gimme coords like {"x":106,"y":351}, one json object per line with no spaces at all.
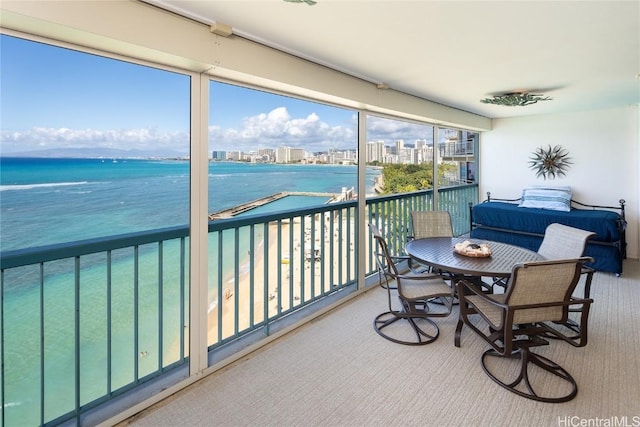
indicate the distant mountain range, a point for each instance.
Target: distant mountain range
{"x":96,"y":153}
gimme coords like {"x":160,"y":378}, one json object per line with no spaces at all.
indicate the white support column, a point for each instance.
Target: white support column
{"x":362,"y":193}
{"x":436,"y":159}
{"x":198,"y":248}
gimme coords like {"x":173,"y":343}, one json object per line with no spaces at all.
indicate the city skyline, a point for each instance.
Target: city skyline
{"x":400,"y":152}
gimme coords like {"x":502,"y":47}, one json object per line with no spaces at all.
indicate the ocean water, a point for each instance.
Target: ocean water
{"x":46,"y":201}
{"x":51,"y":201}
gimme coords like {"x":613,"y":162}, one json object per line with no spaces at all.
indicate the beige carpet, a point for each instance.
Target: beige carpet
{"x":336,"y":371}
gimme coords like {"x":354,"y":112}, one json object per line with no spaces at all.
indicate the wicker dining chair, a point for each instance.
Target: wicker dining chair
{"x":515,"y":322}
{"x":416,"y":293}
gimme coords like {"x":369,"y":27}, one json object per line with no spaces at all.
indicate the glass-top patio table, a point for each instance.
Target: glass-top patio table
{"x":438,"y":253}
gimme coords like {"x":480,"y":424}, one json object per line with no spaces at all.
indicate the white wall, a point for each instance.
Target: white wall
{"x":604,"y":148}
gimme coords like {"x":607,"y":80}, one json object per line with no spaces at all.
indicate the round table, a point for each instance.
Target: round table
{"x":437,"y":252}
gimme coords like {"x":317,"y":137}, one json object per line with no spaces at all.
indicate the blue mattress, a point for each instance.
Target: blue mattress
{"x":606,"y":257}
{"x":606,"y":224}
{"x":502,"y":222}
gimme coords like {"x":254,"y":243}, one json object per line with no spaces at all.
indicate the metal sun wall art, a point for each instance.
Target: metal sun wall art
{"x":550,"y":162}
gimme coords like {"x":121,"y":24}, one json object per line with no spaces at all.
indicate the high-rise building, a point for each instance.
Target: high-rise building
{"x":218,"y":155}
{"x":268,"y":154}
{"x":234,"y":155}
{"x":399,"y":146}
{"x":289,"y":154}
{"x":375,"y":151}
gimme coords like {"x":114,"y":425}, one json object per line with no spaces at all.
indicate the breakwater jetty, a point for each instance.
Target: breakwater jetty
{"x":347,"y":194}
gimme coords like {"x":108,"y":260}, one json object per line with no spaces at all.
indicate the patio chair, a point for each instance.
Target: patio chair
{"x":564,"y":242}
{"x":515,"y":322}
{"x":414,"y":291}
{"x":428,"y":224}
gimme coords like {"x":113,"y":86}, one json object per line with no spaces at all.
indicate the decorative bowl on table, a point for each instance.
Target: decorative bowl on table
{"x":469,"y":249}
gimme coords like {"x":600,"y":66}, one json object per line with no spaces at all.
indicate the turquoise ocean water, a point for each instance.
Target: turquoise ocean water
{"x":50,"y":201}
{"x":47,"y":201}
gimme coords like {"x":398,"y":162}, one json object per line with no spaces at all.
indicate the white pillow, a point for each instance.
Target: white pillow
{"x":544,"y":197}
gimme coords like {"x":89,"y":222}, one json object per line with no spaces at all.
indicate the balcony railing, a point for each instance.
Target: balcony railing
{"x":89,"y":323}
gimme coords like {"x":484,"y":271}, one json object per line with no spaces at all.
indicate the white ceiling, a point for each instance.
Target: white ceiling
{"x":583,"y":54}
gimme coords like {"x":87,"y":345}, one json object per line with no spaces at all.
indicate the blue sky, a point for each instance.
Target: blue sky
{"x":54,"y":98}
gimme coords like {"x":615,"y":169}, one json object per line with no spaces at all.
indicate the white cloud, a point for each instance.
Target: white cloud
{"x":39,"y":138}
{"x":390,"y":130}
{"x":277,"y":128}
{"x":266,"y":130}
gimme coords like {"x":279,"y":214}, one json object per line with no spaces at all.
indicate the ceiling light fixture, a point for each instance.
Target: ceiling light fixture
{"x":515,"y":99}
{"x":309,"y":2}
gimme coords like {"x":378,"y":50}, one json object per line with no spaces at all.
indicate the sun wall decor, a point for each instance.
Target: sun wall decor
{"x":550,"y":162}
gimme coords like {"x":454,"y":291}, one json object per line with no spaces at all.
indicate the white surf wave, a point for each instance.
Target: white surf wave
{"x":45,"y":185}
{"x":12,"y":404}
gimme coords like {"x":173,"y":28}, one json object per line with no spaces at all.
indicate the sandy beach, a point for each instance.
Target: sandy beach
{"x":284,"y":281}
{"x":301,"y":261}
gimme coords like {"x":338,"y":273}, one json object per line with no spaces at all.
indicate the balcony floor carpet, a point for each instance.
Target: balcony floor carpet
{"x":336,"y":371}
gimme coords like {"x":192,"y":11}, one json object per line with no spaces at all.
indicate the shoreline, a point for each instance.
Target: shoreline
{"x":229,"y":287}
{"x":273,"y":294}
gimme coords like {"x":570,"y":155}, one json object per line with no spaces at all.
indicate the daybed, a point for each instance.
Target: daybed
{"x":504,"y":220}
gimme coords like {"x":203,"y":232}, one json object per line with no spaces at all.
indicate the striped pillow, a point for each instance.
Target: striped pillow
{"x":554,"y":198}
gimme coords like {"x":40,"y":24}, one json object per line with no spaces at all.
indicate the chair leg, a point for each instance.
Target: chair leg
{"x":458,"y":333}
{"x":422,"y":336}
{"x":526,"y":357}
{"x":589,"y":272}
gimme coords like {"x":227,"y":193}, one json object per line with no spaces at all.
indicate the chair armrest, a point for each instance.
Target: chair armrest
{"x":425,"y":276}
{"x":467,"y":308}
{"x":471,"y":289}
{"x":581,"y":339}
{"x":394,"y":257}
